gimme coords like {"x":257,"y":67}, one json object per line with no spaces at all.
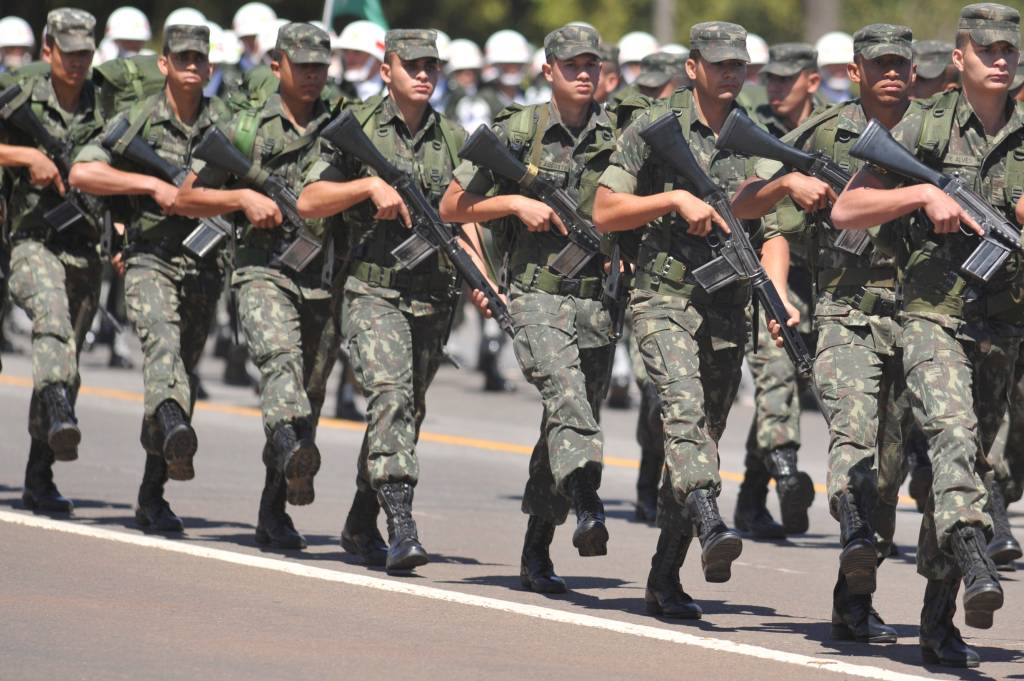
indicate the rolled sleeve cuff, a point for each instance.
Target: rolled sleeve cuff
{"x":92,"y":153}
{"x":618,"y":180}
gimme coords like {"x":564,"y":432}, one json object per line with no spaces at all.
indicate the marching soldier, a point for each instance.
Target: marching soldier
{"x":170,"y":297}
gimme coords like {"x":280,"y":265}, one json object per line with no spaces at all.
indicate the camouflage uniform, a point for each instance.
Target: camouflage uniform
{"x":1007,"y":454}
{"x":54,"y":278}
{"x":562,"y":330}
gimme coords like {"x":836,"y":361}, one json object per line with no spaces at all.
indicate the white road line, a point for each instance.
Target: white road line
{"x":408,"y":588}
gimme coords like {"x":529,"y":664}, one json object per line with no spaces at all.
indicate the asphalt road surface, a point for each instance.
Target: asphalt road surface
{"x":92,"y":597}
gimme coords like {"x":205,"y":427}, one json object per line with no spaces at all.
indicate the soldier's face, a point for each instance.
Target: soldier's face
{"x":70,"y":68}
{"x":885,"y":79}
{"x":607,"y":83}
{"x":304,"y":82}
{"x":466,"y":78}
{"x":187,"y":71}
{"x":987,"y":67}
{"x":413,"y":80}
{"x":573,"y":79}
{"x":717,"y":80}
{"x":788,"y":94}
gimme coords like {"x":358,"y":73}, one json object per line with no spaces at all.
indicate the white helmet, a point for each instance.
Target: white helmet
{"x":128,"y":23}
{"x":217,"y":55}
{"x":633,"y":47}
{"x":266,"y":39}
{"x":444,"y":44}
{"x":15,"y":32}
{"x":464,"y":54}
{"x":230,"y":47}
{"x":507,"y":47}
{"x":674,"y":48}
{"x":185,"y":16}
{"x":538,"y":62}
{"x":834,"y":48}
{"x":363,"y":36}
{"x":757,"y":48}
{"x":251,"y":18}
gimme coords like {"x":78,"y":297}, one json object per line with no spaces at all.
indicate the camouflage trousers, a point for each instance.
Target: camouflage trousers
{"x":693,"y":354}
{"x":941,"y":372}
{"x":395,"y":355}
{"x":552,"y":334}
{"x":171,"y":305}
{"x":1007,"y":453}
{"x":650,"y":432}
{"x":859,"y":372}
{"x":59,"y":291}
{"x":292,"y":337}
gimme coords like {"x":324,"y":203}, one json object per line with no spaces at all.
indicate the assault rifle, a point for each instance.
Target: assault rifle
{"x":735,"y":258}
{"x":217,"y":150}
{"x":77,"y":208}
{"x":877,"y":146}
{"x":205,"y":238}
{"x":345,"y":133}
{"x":485,"y":149}
{"x":740,"y":134}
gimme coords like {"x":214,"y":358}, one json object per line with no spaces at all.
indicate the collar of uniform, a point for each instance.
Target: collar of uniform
{"x":42,"y":91}
{"x":852,"y":117}
{"x":596,"y":117}
{"x":389,"y":111}
{"x":965,"y":112}
{"x":275,"y":107}
{"x":164,"y":114}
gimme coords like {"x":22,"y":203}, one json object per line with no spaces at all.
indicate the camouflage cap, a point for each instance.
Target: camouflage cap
{"x":789,"y":59}
{"x":182,"y":38}
{"x":610,"y":54}
{"x":1018,"y":80}
{"x":931,"y":57}
{"x":877,"y":40}
{"x":988,"y":23}
{"x":71,"y":29}
{"x":719,"y":41}
{"x":572,"y":41}
{"x":304,"y":43}
{"x":411,"y":43}
{"x":658,"y":69}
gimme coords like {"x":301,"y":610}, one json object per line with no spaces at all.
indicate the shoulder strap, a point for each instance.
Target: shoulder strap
{"x":937,"y":125}
{"x":138,"y":118}
{"x":365,"y":112}
{"x":246,"y":125}
{"x":451,"y":140}
{"x":521,"y":126}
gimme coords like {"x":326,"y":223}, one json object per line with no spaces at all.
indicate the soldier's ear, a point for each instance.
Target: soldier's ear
{"x":958,"y":59}
{"x":547,"y":69}
{"x":813,"y":82}
{"x":161,"y":63}
{"x":853,"y":71}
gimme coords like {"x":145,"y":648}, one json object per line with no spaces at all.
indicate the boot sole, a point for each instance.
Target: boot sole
{"x":859,"y":564}
{"x":592,"y":541}
{"x":372,"y":558}
{"x":411,"y":558}
{"x":978,"y":607}
{"x":1004,"y":551}
{"x":299,"y":473}
{"x":64,"y":443}
{"x":263,"y":538}
{"x":841,"y":632}
{"x":179,"y":449}
{"x":794,"y":504}
{"x":717,"y":557}
{"x":930,"y":657}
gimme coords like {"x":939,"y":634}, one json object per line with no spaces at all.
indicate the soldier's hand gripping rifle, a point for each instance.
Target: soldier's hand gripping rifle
{"x":487,"y":151}
{"x":205,"y":238}
{"x":740,"y":134}
{"x":345,"y":133}
{"x":736,"y":259}
{"x":77,"y":209}
{"x":877,"y":146}
{"x":218,"y":151}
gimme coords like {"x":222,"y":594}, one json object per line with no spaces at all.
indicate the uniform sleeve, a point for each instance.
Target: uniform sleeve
{"x":906,"y":132}
{"x":475,"y":179}
{"x":627,"y":160}
{"x":93,"y":150}
{"x":766,"y":168}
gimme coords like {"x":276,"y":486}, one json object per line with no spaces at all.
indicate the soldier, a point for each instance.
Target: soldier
{"x":611,"y":78}
{"x":170,"y":297}
{"x":791,"y":80}
{"x":935,"y":72}
{"x":55,"y":277}
{"x":661,"y":74}
{"x":395,"y":320}
{"x":691,"y":341}
{"x":858,"y":364}
{"x":953,"y":331}
{"x":287,"y":317}
{"x":563,"y":332}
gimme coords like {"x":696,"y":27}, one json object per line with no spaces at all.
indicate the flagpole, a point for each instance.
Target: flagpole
{"x":328,"y":12}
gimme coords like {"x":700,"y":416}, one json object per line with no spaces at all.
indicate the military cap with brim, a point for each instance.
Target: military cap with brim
{"x":411,"y":43}
{"x":988,"y":23}
{"x":789,"y":59}
{"x":304,"y":43}
{"x":719,"y":41}
{"x":878,"y":40}
{"x":931,"y":57}
{"x":656,"y":70}
{"x":610,"y":53}
{"x":182,"y":38}
{"x":72,"y":29}
{"x":572,"y":41}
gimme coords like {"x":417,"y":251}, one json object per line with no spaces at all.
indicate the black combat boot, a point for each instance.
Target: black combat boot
{"x":982,"y":593}
{"x":536,"y":571}
{"x":275,"y":527}
{"x":404,"y":549}
{"x":179,"y":440}
{"x":854,"y":619}
{"x":752,"y":514}
{"x":62,"y":434}
{"x":591,"y":535}
{"x":40,"y":494}
{"x":360,"y":535}
{"x":1004,"y":548}
{"x":859,"y":560}
{"x":298,"y":458}
{"x":795,"y":489}
{"x":153,"y":512}
{"x":665,"y":595}
{"x":720,"y":546}
{"x":647,"y":486}
{"x":941,"y":642}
